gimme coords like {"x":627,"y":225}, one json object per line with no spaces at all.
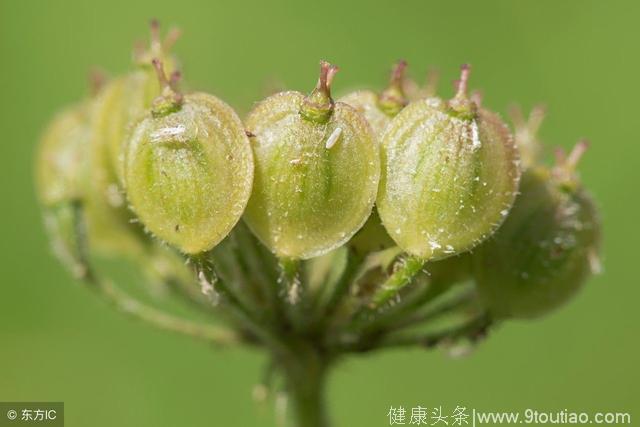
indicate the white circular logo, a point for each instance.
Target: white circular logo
{"x":12,"y":415}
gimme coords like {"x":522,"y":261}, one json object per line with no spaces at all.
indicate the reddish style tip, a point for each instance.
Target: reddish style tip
{"x":327,"y":73}
{"x":576,"y":153}
{"x":465,"y":71}
{"x":397,"y":74}
{"x":162,"y":77}
{"x":566,"y":164}
{"x":171,"y":38}
{"x":97,"y":80}
{"x":154,"y":29}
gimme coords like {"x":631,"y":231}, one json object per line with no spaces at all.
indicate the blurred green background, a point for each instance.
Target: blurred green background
{"x":59,"y":343}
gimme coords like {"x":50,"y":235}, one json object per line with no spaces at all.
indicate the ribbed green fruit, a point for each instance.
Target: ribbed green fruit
{"x":450,"y":174}
{"x":110,"y":223}
{"x":119,"y":105}
{"x":543,"y":253}
{"x":62,"y":156}
{"x":317,"y":171}
{"x":189,"y":171}
{"x":61,"y":166}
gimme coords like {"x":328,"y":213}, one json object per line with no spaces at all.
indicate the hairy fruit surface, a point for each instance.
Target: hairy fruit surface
{"x":315,"y":180}
{"x":189,"y":173}
{"x":449,"y":176}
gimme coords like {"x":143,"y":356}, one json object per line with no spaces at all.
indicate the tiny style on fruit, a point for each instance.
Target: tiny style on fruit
{"x":315,"y":228}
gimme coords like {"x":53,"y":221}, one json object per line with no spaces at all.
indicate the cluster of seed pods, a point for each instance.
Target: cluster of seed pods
{"x":151,"y":167}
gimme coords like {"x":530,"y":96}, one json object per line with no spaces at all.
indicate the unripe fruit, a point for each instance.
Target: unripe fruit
{"x":546,"y":248}
{"x":189,"y":169}
{"x":449,"y":175}
{"x":379,"y":109}
{"x":109,"y":221}
{"x":62,"y":156}
{"x":136,"y":91}
{"x":317,"y":171}
{"x":60,"y":170}
{"x":119,"y":105}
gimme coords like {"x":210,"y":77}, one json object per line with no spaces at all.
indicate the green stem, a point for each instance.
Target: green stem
{"x":369,"y":317}
{"x":398,"y":280}
{"x":133,"y":307}
{"x":423,"y":296}
{"x":295,"y":293}
{"x":461,"y":301}
{"x":205,"y":271}
{"x":290,"y":280}
{"x":473,"y":330}
{"x":305,"y":374}
{"x":261,"y":275}
{"x":341,"y":288}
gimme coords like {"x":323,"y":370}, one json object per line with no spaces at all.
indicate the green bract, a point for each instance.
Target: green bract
{"x":543,"y":252}
{"x":189,"y":170}
{"x":379,"y":109}
{"x":449,"y":175}
{"x":317,"y":171}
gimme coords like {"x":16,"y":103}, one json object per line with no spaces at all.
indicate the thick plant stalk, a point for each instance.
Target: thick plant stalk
{"x":398,"y":280}
{"x":305,"y":374}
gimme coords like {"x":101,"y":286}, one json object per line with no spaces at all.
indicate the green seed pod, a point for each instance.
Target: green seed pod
{"x":110,"y":224}
{"x":134,"y":94}
{"x":451,"y":270}
{"x":526,"y":134}
{"x":449,"y":175}
{"x":120,"y":104}
{"x":380,"y":109}
{"x":62,"y":156}
{"x":60,"y":169}
{"x":546,"y":248}
{"x":317,"y":171}
{"x":189,"y":168}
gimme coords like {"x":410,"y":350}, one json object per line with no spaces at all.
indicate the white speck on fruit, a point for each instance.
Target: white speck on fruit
{"x":475,"y":138}
{"x":333,"y":138}
{"x":434,"y":245}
